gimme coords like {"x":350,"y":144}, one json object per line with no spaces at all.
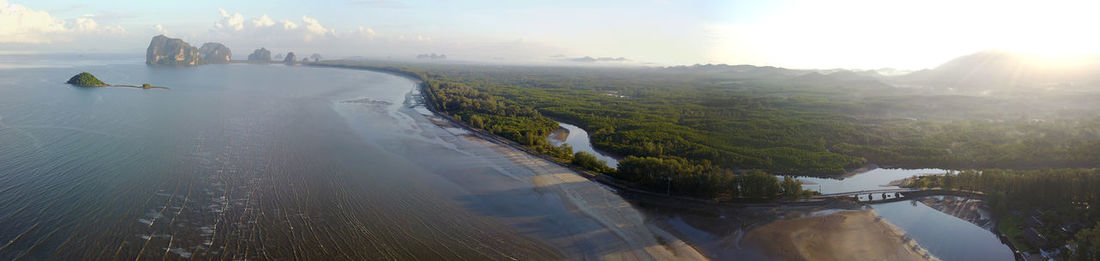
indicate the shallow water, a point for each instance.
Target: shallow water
{"x":943,"y":235}
{"x":274,"y":162}
{"x":875,"y":179}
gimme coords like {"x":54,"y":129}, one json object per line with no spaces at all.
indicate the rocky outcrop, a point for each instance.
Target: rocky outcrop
{"x":171,"y":51}
{"x":215,"y":53}
{"x":260,"y":55}
{"x":289,"y":58}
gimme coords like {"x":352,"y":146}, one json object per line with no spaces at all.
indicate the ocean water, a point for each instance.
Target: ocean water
{"x":274,"y":162}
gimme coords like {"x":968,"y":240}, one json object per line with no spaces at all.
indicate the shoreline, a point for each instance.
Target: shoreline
{"x":645,"y":238}
{"x":634,"y":195}
{"x":845,"y":235}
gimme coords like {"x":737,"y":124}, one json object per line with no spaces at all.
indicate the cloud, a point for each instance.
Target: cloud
{"x":310,"y":34}
{"x":263,"y":21}
{"x":87,"y":25}
{"x":160,"y":29}
{"x":264,"y":27}
{"x":288,"y":25}
{"x":363,"y":33}
{"x":314,"y":28}
{"x":19,"y":24}
{"x":233,"y":22}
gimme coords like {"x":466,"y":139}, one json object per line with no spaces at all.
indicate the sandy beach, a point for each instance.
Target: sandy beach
{"x":846,"y":235}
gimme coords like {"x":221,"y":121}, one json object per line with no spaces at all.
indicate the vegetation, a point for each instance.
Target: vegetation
{"x":468,"y":102}
{"x":589,"y":161}
{"x":1087,"y":244}
{"x":1060,"y":199}
{"x":85,"y":79}
{"x":699,"y":130}
{"x":744,"y":117}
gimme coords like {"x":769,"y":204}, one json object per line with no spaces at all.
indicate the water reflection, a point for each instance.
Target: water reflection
{"x":875,"y":179}
{"x":578,"y":139}
{"x":277,"y":162}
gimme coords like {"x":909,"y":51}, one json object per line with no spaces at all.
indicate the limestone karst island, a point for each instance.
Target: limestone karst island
{"x":175,"y":52}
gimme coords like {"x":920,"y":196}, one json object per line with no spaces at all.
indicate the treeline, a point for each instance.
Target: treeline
{"x":744,"y":117}
{"x":678,"y":176}
{"x":696,"y":177}
{"x":1065,"y":197}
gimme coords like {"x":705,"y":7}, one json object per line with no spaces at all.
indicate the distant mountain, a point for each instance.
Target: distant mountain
{"x":777,"y":75}
{"x":432,"y":56}
{"x":215,"y":53}
{"x":260,"y":55}
{"x":290,"y":58}
{"x":171,"y":51}
{"x":590,"y":59}
{"x":1000,"y":71}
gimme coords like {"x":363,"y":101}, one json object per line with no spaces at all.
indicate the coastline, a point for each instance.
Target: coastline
{"x":578,"y":189}
{"x":530,"y":159}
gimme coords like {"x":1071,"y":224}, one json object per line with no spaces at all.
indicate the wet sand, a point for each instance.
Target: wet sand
{"x":846,"y":235}
{"x":584,"y":197}
{"x":558,"y":136}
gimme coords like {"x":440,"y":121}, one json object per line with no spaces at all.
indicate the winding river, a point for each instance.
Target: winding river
{"x":945,"y":236}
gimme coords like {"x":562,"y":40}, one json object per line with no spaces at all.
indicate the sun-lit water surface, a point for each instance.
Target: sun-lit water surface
{"x":274,"y":162}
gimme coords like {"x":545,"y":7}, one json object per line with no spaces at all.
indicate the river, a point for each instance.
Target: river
{"x":578,"y":139}
{"x":280,"y":162}
{"x":944,"y":236}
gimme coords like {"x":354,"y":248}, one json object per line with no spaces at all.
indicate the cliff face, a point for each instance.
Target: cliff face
{"x":171,"y":51}
{"x":215,"y":53}
{"x":289,"y":58}
{"x":262,"y":55}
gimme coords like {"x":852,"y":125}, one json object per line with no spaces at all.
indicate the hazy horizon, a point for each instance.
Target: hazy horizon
{"x":791,"y":34}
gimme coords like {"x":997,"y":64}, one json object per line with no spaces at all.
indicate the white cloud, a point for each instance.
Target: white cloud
{"x":307,"y":34}
{"x":160,"y":29}
{"x":234,"y":22}
{"x":314,"y":27}
{"x":307,"y":29}
{"x":87,"y":25}
{"x":19,"y":24}
{"x":288,"y":25}
{"x":263,"y":21}
{"x":363,"y":32}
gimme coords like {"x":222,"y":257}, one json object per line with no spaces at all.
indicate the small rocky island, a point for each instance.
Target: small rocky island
{"x":290,"y":58}
{"x":85,"y":79}
{"x":215,"y":53}
{"x":171,"y":51}
{"x":260,"y":55}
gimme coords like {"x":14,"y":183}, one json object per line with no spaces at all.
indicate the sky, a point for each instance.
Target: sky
{"x":855,"y":34}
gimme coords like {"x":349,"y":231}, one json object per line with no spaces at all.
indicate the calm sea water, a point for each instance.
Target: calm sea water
{"x":274,"y":162}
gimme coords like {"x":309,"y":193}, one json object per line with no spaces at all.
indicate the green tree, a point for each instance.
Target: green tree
{"x":1086,"y":245}
{"x":589,"y":161}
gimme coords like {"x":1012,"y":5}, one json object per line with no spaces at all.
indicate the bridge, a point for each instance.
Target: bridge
{"x":866,"y":192}
{"x":897,"y":194}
